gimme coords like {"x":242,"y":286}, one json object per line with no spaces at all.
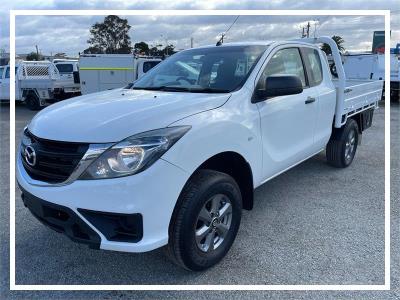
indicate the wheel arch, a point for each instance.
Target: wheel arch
{"x":235,"y":165}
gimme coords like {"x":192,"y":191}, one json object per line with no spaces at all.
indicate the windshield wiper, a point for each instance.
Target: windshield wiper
{"x":163,"y":88}
{"x":208,"y":90}
{"x":181,"y":89}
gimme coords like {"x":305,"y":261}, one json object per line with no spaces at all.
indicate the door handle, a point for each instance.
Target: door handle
{"x":310,"y":100}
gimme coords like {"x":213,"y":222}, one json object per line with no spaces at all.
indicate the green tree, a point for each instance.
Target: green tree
{"x":169,"y":50}
{"x":154,"y":51}
{"x":33,"y":56}
{"x":158,"y":50}
{"x":93,"y":50}
{"x":339,"y":42}
{"x":142,"y":47}
{"x":110,"y":36}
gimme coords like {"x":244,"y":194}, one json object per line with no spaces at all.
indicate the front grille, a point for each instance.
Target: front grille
{"x":55,"y":160}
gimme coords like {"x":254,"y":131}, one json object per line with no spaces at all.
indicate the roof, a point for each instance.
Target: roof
{"x":257,"y":43}
{"x":254,"y":43}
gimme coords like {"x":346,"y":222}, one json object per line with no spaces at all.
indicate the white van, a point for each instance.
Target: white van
{"x":99,"y":72}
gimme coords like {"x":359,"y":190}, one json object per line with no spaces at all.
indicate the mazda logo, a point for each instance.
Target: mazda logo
{"x":30,"y":156}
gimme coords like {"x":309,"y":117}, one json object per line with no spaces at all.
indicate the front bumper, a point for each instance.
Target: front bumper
{"x":152,"y":194}
{"x":61,"y":219}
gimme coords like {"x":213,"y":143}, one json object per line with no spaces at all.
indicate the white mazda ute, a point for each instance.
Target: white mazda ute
{"x":173,"y":158}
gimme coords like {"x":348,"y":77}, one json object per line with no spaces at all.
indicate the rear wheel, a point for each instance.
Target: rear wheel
{"x":205,"y":221}
{"x":394,"y":96}
{"x":32,"y":101}
{"x":342,"y":146}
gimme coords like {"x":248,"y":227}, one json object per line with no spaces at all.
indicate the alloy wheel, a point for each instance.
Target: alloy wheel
{"x":350,"y":145}
{"x":213,"y":223}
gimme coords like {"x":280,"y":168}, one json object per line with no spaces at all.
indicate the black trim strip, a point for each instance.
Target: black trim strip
{"x":61,"y":219}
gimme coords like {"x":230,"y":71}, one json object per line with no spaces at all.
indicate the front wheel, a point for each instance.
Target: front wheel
{"x":205,"y":221}
{"x":342,"y":145}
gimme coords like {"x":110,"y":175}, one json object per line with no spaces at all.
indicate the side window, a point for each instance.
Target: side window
{"x":313,"y":62}
{"x":65,"y":68}
{"x":284,"y":62}
{"x":1,"y":72}
{"x":7,"y":73}
{"x":147,"y":65}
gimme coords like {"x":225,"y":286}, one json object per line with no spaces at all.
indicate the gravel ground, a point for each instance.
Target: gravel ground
{"x":312,"y":225}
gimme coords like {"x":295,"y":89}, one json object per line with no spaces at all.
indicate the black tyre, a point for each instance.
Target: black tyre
{"x":32,"y":101}
{"x":342,"y":146}
{"x":205,"y":221}
{"x":394,"y":96}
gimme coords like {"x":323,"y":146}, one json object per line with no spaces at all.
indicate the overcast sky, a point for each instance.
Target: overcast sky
{"x":69,"y":33}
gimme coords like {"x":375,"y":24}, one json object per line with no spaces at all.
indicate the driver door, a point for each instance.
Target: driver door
{"x":287,"y":122}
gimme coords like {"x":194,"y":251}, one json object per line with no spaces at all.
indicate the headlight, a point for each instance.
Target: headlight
{"x":134,"y":154}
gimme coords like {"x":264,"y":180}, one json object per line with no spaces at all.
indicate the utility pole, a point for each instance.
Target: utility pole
{"x":37,"y":50}
{"x":316,"y":23}
{"x":191,"y":42}
{"x":306,"y":31}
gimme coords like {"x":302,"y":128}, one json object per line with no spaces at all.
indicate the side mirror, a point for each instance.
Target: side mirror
{"x":279,"y":85}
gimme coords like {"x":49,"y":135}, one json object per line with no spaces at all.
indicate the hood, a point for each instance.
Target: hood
{"x":114,"y":115}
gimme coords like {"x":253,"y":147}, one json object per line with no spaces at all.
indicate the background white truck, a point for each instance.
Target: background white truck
{"x":37,"y":83}
{"x":99,"y":72}
{"x":69,"y":75}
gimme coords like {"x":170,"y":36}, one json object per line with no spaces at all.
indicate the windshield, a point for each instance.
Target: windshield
{"x":210,"y":70}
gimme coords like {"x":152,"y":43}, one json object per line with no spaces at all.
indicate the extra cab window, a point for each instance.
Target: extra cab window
{"x":7,"y":73}
{"x":313,"y":61}
{"x":284,"y":62}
